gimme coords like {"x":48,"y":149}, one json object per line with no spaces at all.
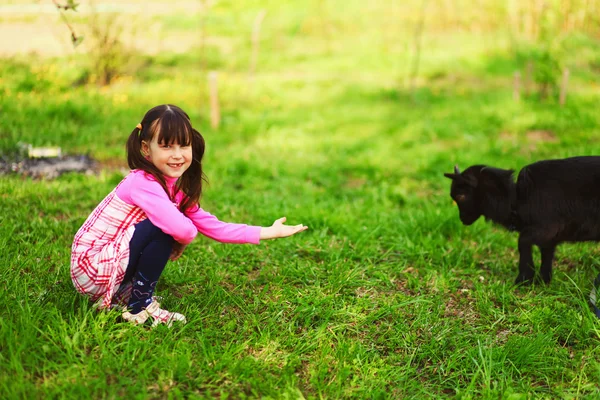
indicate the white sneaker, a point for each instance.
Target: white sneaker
{"x":157,"y":314}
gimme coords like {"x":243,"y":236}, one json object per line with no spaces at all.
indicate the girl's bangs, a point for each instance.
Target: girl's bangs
{"x":173,"y":128}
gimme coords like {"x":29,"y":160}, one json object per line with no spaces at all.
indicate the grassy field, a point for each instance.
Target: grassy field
{"x":386,"y":295}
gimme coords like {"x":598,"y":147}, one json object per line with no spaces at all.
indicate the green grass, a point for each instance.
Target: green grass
{"x":386,"y":295}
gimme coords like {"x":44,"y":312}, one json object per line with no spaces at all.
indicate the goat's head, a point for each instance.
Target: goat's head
{"x":462,"y":192}
{"x":469,"y":188}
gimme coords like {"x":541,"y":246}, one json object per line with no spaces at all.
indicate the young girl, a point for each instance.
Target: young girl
{"x":122,"y":248}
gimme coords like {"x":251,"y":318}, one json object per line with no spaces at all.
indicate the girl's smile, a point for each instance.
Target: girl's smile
{"x":170,"y":159}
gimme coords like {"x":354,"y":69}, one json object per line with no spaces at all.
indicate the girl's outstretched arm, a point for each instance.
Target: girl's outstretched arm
{"x":279,"y":230}
{"x":226,"y":232}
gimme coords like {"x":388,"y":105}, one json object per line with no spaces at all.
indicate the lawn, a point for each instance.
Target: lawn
{"x":386,"y":295}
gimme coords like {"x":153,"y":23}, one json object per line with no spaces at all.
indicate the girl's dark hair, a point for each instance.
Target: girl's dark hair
{"x":172,"y":125}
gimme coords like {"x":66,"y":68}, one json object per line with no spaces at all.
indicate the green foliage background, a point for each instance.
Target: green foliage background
{"x":387,"y":295}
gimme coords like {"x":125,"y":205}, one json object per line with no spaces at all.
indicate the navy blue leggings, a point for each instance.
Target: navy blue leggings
{"x":149,"y":251}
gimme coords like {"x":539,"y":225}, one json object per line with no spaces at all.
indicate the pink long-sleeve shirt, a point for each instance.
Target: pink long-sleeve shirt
{"x":142,"y":190}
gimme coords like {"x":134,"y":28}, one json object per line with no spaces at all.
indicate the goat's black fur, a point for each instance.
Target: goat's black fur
{"x":553,"y":201}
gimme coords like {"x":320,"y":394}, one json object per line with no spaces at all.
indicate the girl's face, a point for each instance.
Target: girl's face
{"x":170,"y":159}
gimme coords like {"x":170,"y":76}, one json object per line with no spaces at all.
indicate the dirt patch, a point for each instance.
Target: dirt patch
{"x":534,"y":136}
{"x":538,"y":136}
{"x":48,"y":168}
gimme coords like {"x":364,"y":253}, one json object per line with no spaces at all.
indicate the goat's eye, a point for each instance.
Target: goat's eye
{"x":460,"y":197}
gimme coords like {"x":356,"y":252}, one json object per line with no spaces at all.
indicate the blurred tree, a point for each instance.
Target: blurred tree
{"x":108,"y":53}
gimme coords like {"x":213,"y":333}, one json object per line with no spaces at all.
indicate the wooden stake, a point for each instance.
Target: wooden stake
{"x":215,"y":112}
{"x":517,"y":86}
{"x":564,"y":86}
{"x":528,"y":77}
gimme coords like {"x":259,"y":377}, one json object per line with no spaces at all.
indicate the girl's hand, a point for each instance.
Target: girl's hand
{"x":279,"y":230}
{"x":177,"y":251}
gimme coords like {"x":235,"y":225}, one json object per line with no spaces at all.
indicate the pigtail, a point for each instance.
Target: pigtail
{"x":134,"y":149}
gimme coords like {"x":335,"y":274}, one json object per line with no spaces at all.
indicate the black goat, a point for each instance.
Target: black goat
{"x":553,"y":201}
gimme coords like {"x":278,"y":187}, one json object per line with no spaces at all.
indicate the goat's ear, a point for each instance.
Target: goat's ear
{"x":452,"y":176}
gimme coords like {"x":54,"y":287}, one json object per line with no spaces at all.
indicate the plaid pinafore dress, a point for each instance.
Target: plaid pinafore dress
{"x":100,"y":251}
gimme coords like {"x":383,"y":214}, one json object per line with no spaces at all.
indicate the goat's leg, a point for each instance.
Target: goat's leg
{"x":526,"y":271}
{"x":547,"y":258}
